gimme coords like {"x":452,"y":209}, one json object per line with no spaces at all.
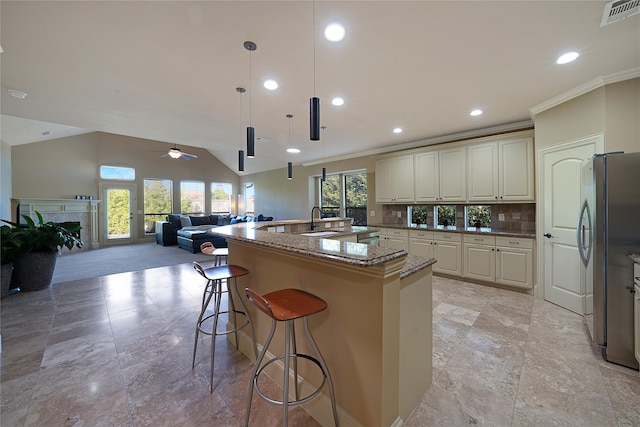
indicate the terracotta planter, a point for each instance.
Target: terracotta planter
{"x":34,"y":270}
{"x":5,"y":278}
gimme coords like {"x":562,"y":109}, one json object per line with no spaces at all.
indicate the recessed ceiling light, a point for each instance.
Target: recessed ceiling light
{"x":475,"y":112}
{"x":17,"y":93}
{"x":397,"y":130}
{"x":567,"y":57}
{"x":337,"y":101}
{"x":293,"y":150}
{"x":334,"y":32}
{"x":271,"y":84}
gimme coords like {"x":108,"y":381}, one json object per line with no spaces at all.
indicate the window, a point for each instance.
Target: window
{"x":117,"y":172}
{"x":220,"y":198}
{"x":418,"y":215}
{"x":157,"y":202}
{"x":249,"y":198}
{"x":478,"y":216}
{"x":191,"y":197}
{"x":345,"y":195}
{"x":445,"y":215}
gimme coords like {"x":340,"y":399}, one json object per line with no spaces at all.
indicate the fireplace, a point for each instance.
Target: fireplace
{"x":84,"y":212}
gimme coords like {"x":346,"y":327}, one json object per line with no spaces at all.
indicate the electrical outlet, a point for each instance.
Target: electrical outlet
{"x":399,"y":214}
{"x":327,"y":225}
{"x":372,"y":213}
{"x":500,"y":217}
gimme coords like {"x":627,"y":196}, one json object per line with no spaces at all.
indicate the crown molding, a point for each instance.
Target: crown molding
{"x":596,"y":83}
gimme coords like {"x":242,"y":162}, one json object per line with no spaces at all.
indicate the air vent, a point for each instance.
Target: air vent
{"x":617,"y":10}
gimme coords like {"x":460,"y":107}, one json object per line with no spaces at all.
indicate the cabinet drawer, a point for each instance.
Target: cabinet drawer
{"x":420,"y":234}
{"x":480,"y":240}
{"x":514,"y":242}
{"x":397,"y":232}
{"x":447,"y":237}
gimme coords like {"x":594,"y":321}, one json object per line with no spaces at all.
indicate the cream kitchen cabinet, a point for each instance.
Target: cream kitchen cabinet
{"x":421,"y":243}
{"x":394,"y":238}
{"x":480,"y":257}
{"x":440,"y":175}
{"x":501,"y":170}
{"x":448,"y":253}
{"x":394,"y":179}
{"x":503,"y":260}
{"x":636,"y":309}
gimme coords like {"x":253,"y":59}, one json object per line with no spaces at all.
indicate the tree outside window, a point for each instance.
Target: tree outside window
{"x":445,"y":215}
{"x":220,"y":198}
{"x":157,"y":202}
{"x":345,"y":194}
{"x":478,"y":216}
{"x":191,"y":197}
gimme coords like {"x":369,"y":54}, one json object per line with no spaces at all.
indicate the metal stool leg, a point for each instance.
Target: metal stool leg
{"x":246,"y":314}
{"x":218,"y":298}
{"x":324,"y":368}
{"x":206,"y":298}
{"x":254,"y":373}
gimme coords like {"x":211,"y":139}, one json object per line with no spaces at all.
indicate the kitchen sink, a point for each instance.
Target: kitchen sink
{"x":319,"y":233}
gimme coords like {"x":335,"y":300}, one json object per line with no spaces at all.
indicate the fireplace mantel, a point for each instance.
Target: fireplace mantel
{"x":59,"y":210}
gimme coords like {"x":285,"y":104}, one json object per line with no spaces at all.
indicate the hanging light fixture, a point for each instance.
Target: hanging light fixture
{"x":251,"y":140}
{"x":314,"y":102}
{"x":240,"y":91}
{"x":324,"y":170}
{"x":289,"y":164}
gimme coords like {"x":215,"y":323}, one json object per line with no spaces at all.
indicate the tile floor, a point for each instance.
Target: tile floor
{"x":116,"y":351}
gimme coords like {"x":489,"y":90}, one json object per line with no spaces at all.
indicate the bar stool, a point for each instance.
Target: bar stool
{"x":219,"y":254}
{"x":215,"y":276}
{"x":286,"y":305}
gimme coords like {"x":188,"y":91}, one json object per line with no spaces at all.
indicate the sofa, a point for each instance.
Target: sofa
{"x":189,"y":232}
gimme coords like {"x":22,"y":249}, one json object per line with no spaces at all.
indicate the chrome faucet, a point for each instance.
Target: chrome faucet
{"x":313,"y":226}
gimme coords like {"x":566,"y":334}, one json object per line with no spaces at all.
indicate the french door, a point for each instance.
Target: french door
{"x":118,"y":220}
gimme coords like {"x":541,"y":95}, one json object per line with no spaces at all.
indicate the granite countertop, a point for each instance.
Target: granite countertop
{"x":453,"y":229}
{"x":351,"y":253}
{"x":635,"y":257}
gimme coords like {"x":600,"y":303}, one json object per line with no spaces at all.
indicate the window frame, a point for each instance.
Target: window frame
{"x":203,"y":190}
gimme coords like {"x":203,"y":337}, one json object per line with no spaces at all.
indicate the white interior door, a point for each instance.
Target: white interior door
{"x":559,"y":206}
{"x":118,"y":204}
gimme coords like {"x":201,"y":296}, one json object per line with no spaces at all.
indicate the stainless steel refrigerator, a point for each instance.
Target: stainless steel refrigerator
{"x":608,"y":231}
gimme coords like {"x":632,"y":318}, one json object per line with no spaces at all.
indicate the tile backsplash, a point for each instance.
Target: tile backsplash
{"x":515,"y":216}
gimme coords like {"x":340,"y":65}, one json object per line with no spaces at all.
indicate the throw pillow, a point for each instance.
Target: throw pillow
{"x":185,"y":221}
{"x":224,"y":220}
{"x":214,"y":219}
{"x":200,"y":220}
{"x":174,"y":219}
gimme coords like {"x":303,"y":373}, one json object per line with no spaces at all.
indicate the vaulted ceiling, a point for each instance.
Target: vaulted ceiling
{"x":168,"y":71}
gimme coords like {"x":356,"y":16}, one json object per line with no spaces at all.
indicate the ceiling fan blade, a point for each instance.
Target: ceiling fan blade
{"x":165,"y":155}
{"x":187,"y":155}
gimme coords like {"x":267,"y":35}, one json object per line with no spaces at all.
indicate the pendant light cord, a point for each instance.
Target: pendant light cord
{"x":314,"y":47}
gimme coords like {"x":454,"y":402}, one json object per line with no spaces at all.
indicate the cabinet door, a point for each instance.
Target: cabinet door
{"x":384,"y":172}
{"x":636,"y":315}
{"x":427,"y":176}
{"x":398,"y":243}
{"x":514,"y":267}
{"x":480,"y":262}
{"x":421,"y":247}
{"x":516,"y":169}
{"x":402,"y":179}
{"x":449,"y":257}
{"x":453,"y":168}
{"x":482,"y":173}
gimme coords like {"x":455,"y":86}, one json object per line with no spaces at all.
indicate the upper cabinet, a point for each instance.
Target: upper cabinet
{"x":501,"y":171}
{"x":440,"y":175}
{"x":394,"y":179}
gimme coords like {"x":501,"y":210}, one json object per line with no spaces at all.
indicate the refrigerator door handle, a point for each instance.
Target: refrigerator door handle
{"x":584,"y":246}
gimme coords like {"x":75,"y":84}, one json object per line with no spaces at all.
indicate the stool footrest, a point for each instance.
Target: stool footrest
{"x":291,"y":402}
{"x":213,"y":315}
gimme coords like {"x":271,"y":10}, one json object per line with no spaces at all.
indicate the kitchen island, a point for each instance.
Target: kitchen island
{"x":376,"y":335}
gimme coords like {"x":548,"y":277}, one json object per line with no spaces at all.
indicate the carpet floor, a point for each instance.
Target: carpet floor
{"x":120,"y":259}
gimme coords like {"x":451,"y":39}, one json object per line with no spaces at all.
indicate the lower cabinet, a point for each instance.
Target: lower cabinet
{"x":448,"y":253}
{"x":396,"y":238}
{"x":503,"y":260}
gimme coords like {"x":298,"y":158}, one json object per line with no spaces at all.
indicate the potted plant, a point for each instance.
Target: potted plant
{"x":39,"y":246}
{"x":10,"y":247}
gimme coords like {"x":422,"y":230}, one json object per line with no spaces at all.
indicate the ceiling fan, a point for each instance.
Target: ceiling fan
{"x":176,"y":153}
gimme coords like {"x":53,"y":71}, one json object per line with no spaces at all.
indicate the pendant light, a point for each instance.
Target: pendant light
{"x":289,"y":164}
{"x":324,"y":170}
{"x":251,"y":140}
{"x":240,"y":91}
{"x":314,"y":102}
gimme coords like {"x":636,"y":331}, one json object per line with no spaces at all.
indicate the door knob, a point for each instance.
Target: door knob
{"x":548,"y":235}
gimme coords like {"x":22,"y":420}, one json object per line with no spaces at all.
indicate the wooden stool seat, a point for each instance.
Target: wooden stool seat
{"x":207,"y":248}
{"x":287,"y":304}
